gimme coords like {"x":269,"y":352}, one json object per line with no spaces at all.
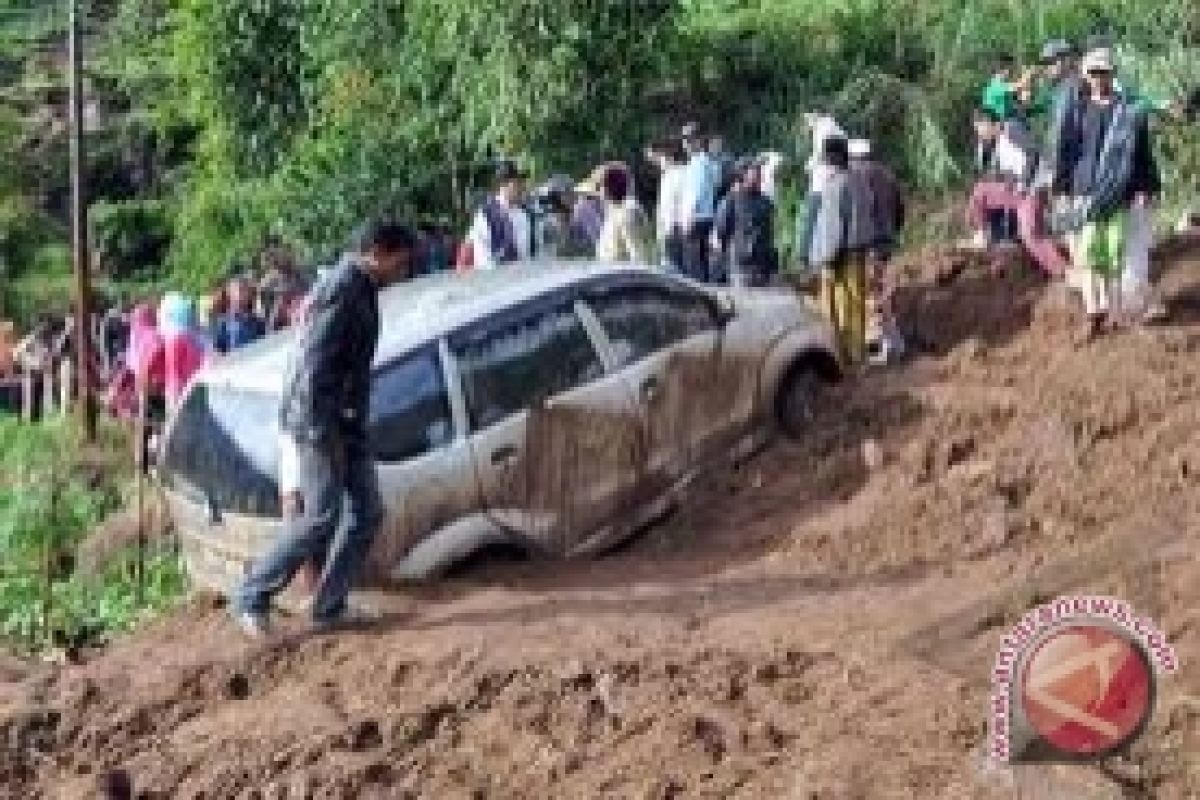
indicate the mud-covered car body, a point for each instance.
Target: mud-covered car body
{"x":557,"y":408}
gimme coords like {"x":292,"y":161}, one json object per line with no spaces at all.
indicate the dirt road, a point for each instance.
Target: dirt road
{"x":818,"y":624}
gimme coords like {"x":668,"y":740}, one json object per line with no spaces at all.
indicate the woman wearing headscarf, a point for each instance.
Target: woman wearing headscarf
{"x":145,"y":357}
{"x":183,"y":345}
{"x":625,"y":236}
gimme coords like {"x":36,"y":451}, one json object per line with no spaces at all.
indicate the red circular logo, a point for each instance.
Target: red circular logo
{"x":1087,"y":690}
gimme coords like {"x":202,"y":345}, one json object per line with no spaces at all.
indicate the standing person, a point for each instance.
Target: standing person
{"x":878,"y":219}
{"x":1106,"y":158}
{"x":587,"y":211}
{"x":114,"y":338}
{"x":146,"y":359}
{"x":240,"y":325}
{"x":625,"y":237}
{"x":282,"y":284}
{"x":772,"y":163}
{"x":560,"y":239}
{"x":699,"y":205}
{"x":503,"y":231}
{"x":821,"y":128}
{"x":8,"y":344}
{"x":183,"y":345}
{"x":724,"y":163}
{"x":324,"y":447}
{"x":744,"y":229}
{"x":843,"y":277}
{"x":1006,"y":155}
{"x":671,"y":161}
{"x":1005,"y":94}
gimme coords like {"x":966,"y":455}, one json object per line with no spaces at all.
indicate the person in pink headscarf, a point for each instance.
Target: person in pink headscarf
{"x":145,"y":357}
{"x":183,"y":345}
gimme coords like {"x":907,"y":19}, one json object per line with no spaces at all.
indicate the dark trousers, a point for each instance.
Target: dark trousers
{"x":696,"y":256}
{"x":335,"y":491}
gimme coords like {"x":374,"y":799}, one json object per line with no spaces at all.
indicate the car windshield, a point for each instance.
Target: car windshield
{"x":223,"y":450}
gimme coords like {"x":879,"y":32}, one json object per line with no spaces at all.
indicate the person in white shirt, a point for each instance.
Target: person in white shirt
{"x":822,"y":128}
{"x":503,"y":230}
{"x":671,"y":161}
{"x":772,"y":162}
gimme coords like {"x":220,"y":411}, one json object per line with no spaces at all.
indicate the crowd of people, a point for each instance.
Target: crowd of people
{"x":1068,"y":173}
{"x":147,"y":352}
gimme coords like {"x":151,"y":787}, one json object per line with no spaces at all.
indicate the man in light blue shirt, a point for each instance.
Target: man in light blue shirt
{"x":699,"y":206}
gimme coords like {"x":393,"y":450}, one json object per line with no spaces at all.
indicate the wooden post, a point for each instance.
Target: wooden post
{"x":141,"y":458}
{"x":79,"y":236}
{"x":29,"y":396}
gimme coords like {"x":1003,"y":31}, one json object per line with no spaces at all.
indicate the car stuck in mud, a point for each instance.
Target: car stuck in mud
{"x":556,"y":409}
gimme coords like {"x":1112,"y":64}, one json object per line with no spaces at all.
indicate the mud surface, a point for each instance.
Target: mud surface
{"x":818,"y":624}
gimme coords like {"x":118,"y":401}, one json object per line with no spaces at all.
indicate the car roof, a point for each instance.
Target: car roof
{"x":420,"y":311}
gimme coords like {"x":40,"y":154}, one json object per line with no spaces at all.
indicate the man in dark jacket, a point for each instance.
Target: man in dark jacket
{"x":744,"y":228}
{"x":1106,"y":162}
{"x":324,"y":451}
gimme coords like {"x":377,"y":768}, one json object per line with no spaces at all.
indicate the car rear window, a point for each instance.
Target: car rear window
{"x":223,"y":450}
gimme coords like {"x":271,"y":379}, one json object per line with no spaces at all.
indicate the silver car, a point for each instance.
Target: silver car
{"x":556,"y":408}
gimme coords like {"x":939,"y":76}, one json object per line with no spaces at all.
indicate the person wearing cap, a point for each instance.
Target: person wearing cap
{"x":1059,"y":72}
{"x":503,"y":230}
{"x":327,"y":472}
{"x":877,"y":219}
{"x":699,"y":204}
{"x":744,"y":229}
{"x":1106,"y":158}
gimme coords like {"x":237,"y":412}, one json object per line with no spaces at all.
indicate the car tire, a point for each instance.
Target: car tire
{"x":795,"y":400}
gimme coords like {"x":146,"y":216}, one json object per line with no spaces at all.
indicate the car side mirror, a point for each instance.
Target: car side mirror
{"x":726,"y":310}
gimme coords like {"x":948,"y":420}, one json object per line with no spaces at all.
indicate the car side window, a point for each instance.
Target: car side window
{"x":507,"y":366}
{"x":689,"y":314}
{"x":641,"y":320}
{"x":410,"y":408}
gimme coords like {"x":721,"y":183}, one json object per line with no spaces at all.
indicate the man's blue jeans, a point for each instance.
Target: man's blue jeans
{"x":336,"y":526}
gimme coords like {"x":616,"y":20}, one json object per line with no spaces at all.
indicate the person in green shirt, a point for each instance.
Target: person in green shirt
{"x":1001,"y":95}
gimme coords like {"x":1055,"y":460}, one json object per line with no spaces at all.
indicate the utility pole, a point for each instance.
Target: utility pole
{"x":79,"y":237}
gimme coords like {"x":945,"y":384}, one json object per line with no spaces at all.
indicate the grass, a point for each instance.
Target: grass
{"x":53,"y":491}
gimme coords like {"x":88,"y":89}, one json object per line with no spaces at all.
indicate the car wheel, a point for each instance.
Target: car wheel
{"x":795,"y":403}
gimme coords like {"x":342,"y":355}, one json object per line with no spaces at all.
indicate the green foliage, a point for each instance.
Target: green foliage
{"x":131,"y":238}
{"x":46,"y":507}
{"x":303,"y":116}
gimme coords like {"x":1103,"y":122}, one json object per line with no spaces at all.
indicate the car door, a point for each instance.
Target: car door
{"x":425,"y":467}
{"x":710,"y":382}
{"x":553,"y":434}
{"x":666,"y":341}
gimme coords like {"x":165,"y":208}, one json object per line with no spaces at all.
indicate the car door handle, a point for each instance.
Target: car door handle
{"x":650,"y":390}
{"x":504,"y":455}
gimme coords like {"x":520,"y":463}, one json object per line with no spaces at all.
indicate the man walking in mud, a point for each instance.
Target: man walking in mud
{"x":1104,"y":155}
{"x":325,"y":465}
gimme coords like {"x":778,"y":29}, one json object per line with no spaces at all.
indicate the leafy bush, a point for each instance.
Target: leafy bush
{"x":47,"y":505}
